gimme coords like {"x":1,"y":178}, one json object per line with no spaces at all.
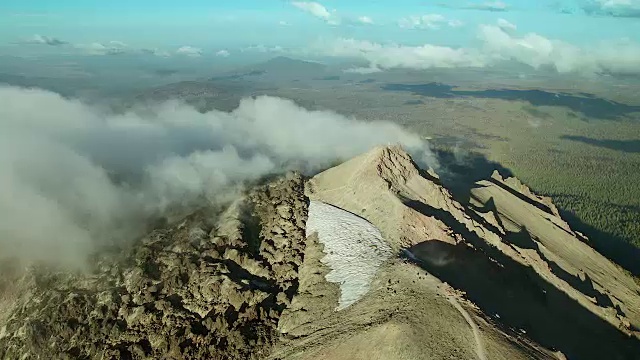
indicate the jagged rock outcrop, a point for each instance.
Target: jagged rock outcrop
{"x":199,"y":289}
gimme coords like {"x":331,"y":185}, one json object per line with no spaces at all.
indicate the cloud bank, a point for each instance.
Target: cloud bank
{"x":496,"y":43}
{"x":389,"y":56}
{"x":73,"y":178}
{"x":318,"y":10}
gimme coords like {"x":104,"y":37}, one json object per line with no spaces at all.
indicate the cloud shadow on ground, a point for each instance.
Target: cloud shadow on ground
{"x":587,"y":104}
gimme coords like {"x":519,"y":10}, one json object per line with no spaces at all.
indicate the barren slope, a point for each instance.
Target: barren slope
{"x":533,"y":287}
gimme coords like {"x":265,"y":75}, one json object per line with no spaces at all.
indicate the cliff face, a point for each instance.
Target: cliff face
{"x":373,"y":258}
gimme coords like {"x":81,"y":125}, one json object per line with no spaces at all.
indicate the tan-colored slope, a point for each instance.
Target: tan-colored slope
{"x":369,"y":185}
{"x":520,"y":286}
{"x":408,"y":314}
{"x":560,"y":255}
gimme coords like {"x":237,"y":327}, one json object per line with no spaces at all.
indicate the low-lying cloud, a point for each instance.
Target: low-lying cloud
{"x":44,"y":40}
{"x":389,"y":56}
{"x":74,"y":177}
{"x":496,"y":44}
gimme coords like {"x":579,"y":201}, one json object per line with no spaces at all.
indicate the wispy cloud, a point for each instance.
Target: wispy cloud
{"x":455,"y":23}
{"x":110,"y":48}
{"x":615,"y":8}
{"x":261,"y":48}
{"x":429,"y":21}
{"x":223,"y":53}
{"x":506,"y":25}
{"x":496,"y":6}
{"x":156,"y":52}
{"x":365,"y":20}
{"x":189,"y":51}
{"x":43,"y":40}
{"x":101,"y":48}
{"x":372,"y":69}
{"x":318,"y":10}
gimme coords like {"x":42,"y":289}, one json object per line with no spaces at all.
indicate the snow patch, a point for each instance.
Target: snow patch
{"x":354,"y":249}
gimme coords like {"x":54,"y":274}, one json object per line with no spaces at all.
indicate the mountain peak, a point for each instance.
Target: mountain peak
{"x":371,"y":251}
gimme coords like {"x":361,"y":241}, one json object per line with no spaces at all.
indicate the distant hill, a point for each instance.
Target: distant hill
{"x":224,"y":91}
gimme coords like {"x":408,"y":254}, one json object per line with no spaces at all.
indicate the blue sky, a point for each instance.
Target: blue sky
{"x":225,"y":27}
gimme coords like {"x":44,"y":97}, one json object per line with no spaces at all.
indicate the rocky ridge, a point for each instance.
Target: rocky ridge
{"x":498,"y":275}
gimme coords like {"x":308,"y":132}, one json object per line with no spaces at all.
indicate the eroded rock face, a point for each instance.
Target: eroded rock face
{"x":202,"y":289}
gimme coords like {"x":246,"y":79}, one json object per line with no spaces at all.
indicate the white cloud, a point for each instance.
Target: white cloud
{"x":429,"y":21}
{"x":365,"y":20}
{"x":190,"y":51}
{"x":118,"y":44}
{"x":539,"y":52}
{"x":73,"y":177}
{"x":490,"y":6}
{"x":44,"y":40}
{"x":506,"y":25}
{"x":318,"y":10}
{"x":455,"y":23}
{"x":531,"y":49}
{"x":313,"y":8}
{"x":497,"y":43}
{"x":223,"y":53}
{"x":110,"y":48}
{"x":401,"y":56}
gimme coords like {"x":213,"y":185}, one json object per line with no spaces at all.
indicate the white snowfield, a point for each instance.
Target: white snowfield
{"x":354,"y":249}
